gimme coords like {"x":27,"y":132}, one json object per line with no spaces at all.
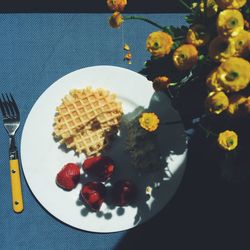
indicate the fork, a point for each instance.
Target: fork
{"x":11,"y":122}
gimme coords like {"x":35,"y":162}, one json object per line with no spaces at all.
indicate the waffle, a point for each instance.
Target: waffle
{"x":87,"y":119}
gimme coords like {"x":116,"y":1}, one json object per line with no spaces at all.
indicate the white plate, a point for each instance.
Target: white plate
{"x":42,"y":158}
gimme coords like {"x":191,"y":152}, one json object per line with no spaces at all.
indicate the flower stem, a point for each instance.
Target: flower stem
{"x":152,"y":23}
{"x":179,"y":37}
{"x":208,"y":132}
{"x":145,"y":20}
{"x":186,"y":5}
{"x":205,"y":9}
{"x":171,"y":122}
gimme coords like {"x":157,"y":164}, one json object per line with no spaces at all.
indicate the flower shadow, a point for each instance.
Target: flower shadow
{"x":172,"y":144}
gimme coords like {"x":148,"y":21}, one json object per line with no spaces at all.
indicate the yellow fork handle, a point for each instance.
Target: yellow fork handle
{"x":16,"y":189}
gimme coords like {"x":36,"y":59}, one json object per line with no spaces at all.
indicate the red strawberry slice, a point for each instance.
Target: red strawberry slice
{"x":68,"y":177}
{"x":99,"y":166}
{"x":91,"y":161}
{"x":123,"y":193}
{"x":93,"y":194}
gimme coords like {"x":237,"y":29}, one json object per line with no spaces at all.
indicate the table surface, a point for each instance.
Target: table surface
{"x":38,"y":49}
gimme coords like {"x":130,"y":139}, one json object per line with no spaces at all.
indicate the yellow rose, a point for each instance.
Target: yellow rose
{"x":185,"y":57}
{"x":217,"y":102}
{"x":231,"y":4}
{"x":116,"y":5}
{"x":233,"y":74}
{"x":116,"y":20}
{"x":149,"y":121}
{"x":235,"y":105}
{"x":230,"y":22}
{"x":198,"y":35}
{"x":161,"y":83}
{"x":221,"y":48}
{"x":159,"y":43}
{"x":212,"y":7}
{"x":228,"y":140}
{"x":242,"y":43}
{"x":212,"y":81}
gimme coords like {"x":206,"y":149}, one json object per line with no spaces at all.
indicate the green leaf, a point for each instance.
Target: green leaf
{"x":201,"y":57}
{"x":168,"y":30}
{"x":176,"y":45}
{"x":190,"y":19}
{"x":176,"y":31}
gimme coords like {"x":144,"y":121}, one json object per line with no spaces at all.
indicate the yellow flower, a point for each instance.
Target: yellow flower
{"x":185,"y":57}
{"x":161,"y":83}
{"x":127,"y":57}
{"x":246,"y":105}
{"x":212,"y":81}
{"x":221,"y":48}
{"x":217,"y":102}
{"x":233,"y":74}
{"x":212,"y":7}
{"x":116,"y":20}
{"x":242,"y":43}
{"x":194,"y":5}
{"x":231,"y":4}
{"x":116,"y":5}
{"x":149,"y":121}
{"x":228,"y":140}
{"x":126,"y":47}
{"x":230,"y":22}
{"x":235,"y":105}
{"x":159,"y":43}
{"x":198,"y":35}
{"x":246,"y":24}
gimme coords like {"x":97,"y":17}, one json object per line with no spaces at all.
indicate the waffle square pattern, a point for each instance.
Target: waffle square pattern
{"x":87,"y":120}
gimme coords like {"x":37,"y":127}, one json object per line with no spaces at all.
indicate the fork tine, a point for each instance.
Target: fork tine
{"x":15,"y":106}
{"x":5,"y":105}
{"x":2,"y":108}
{"x":10,"y":106}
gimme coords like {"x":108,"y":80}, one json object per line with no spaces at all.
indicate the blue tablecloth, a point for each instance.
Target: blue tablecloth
{"x":36,"y":50}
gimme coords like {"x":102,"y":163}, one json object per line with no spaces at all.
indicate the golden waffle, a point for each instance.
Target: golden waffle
{"x":89,"y":141}
{"x":85,"y":118}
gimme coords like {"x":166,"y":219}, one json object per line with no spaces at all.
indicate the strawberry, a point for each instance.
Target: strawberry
{"x":91,"y":161}
{"x":99,"y":166}
{"x":93,"y":194}
{"x":123,"y":193}
{"x":68,"y":177}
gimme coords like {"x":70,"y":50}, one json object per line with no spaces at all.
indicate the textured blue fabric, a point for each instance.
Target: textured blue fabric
{"x":36,"y":50}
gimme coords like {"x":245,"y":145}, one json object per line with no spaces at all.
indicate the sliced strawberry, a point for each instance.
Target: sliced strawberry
{"x":91,"y":161}
{"x":68,"y":177}
{"x":99,"y":166}
{"x":123,"y":193}
{"x":93,"y":194}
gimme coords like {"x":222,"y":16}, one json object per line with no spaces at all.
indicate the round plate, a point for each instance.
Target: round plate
{"x":42,"y":158}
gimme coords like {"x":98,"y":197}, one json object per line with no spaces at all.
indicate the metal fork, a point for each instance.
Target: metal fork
{"x":11,"y":121}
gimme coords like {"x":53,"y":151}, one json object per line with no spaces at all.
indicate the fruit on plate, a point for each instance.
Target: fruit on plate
{"x":99,"y":166}
{"x":93,"y":193}
{"x":68,"y":177}
{"x":123,"y":193}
